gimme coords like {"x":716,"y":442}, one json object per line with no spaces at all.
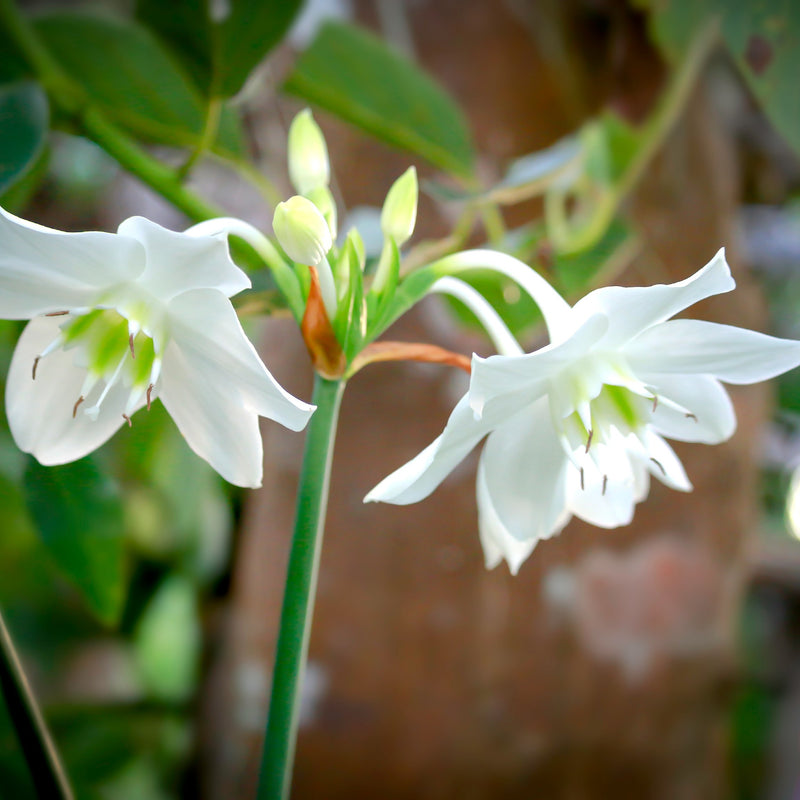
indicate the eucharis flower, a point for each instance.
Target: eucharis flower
{"x":579,"y":426}
{"x":118,"y":320}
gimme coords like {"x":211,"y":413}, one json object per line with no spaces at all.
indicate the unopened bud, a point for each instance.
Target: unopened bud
{"x":308,"y":155}
{"x":322,"y":198}
{"x":302,"y":231}
{"x":399,"y":213}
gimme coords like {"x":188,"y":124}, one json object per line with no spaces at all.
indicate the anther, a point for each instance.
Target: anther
{"x":589,"y":440}
{"x":57,"y":313}
{"x":130,"y":344}
{"x":605,"y":484}
{"x":128,"y":420}
{"x":655,"y":402}
{"x":35,"y":364}
{"x":582,"y":486}
{"x":149,"y":392}
{"x":659,"y":465}
{"x":75,"y":407}
{"x":689,"y":415}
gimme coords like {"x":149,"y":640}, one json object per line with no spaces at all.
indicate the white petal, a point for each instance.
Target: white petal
{"x":212,"y":417}
{"x":205,"y":328}
{"x":713,"y":419}
{"x":524,"y":471}
{"x":733,"y":355}
{"x":43,"y":270}
{"x":663,"y":463}
{"x":497,"y":541}
{"x":632,"y":310}
{"x":178,"y":262}
{"x":40,"y":411}
{"x":498,"y":375}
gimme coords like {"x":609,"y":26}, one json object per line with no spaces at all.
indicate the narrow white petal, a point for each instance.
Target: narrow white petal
{"x":44,"y":270}
{"x":632,"y":310}
{"x":496,"y":540}
{"x":730,"y":354}
{"x":524,"y":470}
{"x":663,"y":463}
{"x":178,"y":262}
{"x":712,"y":417}
{"x":40,"y":412}
{"x":212,"y":417}
{"x":205,"y":328}
{"x":498,"y":375}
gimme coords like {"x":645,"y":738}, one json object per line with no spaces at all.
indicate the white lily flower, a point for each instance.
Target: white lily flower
{"x":578,"y":427}
{"x":118,"y":320}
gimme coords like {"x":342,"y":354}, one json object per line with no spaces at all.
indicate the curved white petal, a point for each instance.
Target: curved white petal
{"x":524,"y":472}
{"x":179,"y":262}
{"x":495,"y":376}
{"x":40,"y":411}
{"x":43,"y":270}
{"x":730,"y":354}
{"x":212,"y":417}
{"x":632,"y":310}
{"x":496,"y":540}
{"x":206,"y":330}
{"x":712,"y":419}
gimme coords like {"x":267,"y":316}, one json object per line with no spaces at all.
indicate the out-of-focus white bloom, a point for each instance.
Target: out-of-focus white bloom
{"x":118,"y":320}
{"x":309,"y":167}
{"x":578,"y":427}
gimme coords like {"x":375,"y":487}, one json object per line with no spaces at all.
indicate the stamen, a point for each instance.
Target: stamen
{"x":605,"y":484}
{"x":582,"y":486}
{"x":655,"y":403}
{"x":57,"y":313}
{"x":689,"y":415}
{"x":589,"y":440}
{"x":149,"y":392}
{"x":128,"y":420}
{"x":35,"y":364}
{"x":130,"y":344}
{"x":659,"y":465}
{"x":75,"y":407}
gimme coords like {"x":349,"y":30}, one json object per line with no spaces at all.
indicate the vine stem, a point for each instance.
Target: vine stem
{"x":47,"y":774}
{"x":298,"y":598}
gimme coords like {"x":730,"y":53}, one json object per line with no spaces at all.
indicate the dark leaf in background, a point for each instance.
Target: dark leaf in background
{"x":78,"y":515}
{"x":24,"y":121}
{"x":357,"y":77}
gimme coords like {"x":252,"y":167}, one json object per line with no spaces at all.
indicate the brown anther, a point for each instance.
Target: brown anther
{"x":605,"y":484}
{"x":589,"y":440}
{"x":659,"y":465}
{"x":689,"y":415}
{"x":149,"y":392}
{"x":35,"y":364}
{"x":128,"y":420}
{"x":75,"y":407}
{"x":130,"y":344}
{"x":57,"y":313}
{"x":655,"y":402}
{"x":582,"y":486}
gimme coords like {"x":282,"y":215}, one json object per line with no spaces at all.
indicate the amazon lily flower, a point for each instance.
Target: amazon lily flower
{"x":580,"y":426}
{"x":118,"y":320}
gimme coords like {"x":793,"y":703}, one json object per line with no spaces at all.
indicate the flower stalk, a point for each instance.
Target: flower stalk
{"x":298,"y":599}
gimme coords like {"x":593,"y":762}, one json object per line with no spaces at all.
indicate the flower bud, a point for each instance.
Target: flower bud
{"x":400,"y":208}
{"x":322,"y":198}
{"x":308,"y":155}
{"x":302,"y":231}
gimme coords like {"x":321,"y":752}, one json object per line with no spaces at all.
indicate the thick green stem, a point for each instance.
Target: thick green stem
{"x":47,"y":774}
{"x":298,"y":598}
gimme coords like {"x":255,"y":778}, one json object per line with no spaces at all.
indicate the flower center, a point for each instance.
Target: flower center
{"x":114,"y":350}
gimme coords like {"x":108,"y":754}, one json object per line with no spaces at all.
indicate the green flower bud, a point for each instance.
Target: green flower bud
{"x":302,"y":231}
{"x":399,"y":213}
{"x":322,"y":198}
{"x":308,"y":155}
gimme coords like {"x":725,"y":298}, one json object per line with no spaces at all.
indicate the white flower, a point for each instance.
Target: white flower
{"x":578,"y":427}
{"x":120,"y":319}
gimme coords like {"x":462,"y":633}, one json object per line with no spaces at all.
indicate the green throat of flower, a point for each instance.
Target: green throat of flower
{"x":114,"y":351}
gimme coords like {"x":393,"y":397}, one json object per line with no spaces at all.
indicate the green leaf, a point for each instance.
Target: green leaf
{"x":357,"y":77}
{"x":78,"y":516}
{"x":219,"y":55}
{"x":24,"y":122}
{"x":127,"y":72}
{"x":763,"y":39}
